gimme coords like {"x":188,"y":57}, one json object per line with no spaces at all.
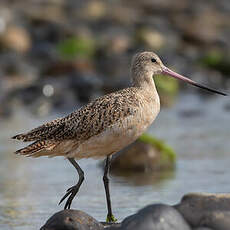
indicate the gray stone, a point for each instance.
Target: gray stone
{"x":155,"y":156}
{"x":202,"y":228}
{"x":157,"y":217}
{"x":219,"y":220}
{"x":111,"y":226}
{"x":16,"y":38}
{"x":71,"y":220}
{"x":130,"y":158}
{"x":195,"y":207}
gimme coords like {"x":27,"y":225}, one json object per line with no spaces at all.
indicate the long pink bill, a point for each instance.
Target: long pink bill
{"x":167,"y":71}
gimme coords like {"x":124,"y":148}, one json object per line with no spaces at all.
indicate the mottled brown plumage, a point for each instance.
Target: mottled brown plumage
{"x":82,"y":124}
{"x":88,"y":120}
{"x":105,"y":125}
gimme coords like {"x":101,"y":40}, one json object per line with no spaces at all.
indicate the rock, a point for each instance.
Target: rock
{"x":16,"y":38}
{"x":209,"y":20}
{"x":151,"y":38}
{"x":198,"y":207}
{"x":123,"y":15}
{"x":94,"y":10}
{"x":219,"y":220}
{"x":116,"y":227}
{"x":157,"y":217}
{"x":118,"y":43}
{"x":145,"y":154}
{"x":111,"y":226}
{"x":71,"y":220}
{"x":162,"y":6}
{"x":202,"y":228}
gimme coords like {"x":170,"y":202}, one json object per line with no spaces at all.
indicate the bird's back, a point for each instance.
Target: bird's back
{"x":82,"y":124}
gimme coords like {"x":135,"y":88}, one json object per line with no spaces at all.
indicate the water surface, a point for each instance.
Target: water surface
{"x":198,"y":129}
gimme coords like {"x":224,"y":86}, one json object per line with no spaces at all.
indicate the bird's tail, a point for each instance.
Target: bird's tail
{"x":37,"y":149}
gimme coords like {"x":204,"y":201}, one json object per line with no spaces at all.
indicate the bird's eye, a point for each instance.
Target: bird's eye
{"x":153,"y":60}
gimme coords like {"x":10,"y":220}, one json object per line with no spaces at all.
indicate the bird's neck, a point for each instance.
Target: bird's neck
{"x":146,"y":87}
{"x":147,"y":95}
{"x":143,"y":80}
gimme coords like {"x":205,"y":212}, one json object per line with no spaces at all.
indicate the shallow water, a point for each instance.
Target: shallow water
{"x":198,"y":129}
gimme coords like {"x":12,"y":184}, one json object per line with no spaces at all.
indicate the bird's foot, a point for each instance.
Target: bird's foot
{"x":71,"y":192}
{"x":111,"y":219}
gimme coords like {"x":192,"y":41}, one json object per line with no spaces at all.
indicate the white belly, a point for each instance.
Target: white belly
{"x":118,"y":136}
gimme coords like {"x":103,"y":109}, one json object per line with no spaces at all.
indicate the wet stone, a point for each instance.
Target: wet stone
{"x":71,"y":220}
{"x":219,"y":220}
{"x":198,"y":208}
{"x":130,"y":158}
{"x":155,"y":156}
{"x":203,"y":228}
{"x":157,"y":217}
{"x":111,"y":226}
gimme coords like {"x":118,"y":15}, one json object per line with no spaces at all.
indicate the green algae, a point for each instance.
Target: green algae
{"x":216,"y":60}
{"x":167,"y":153}
{"x":76,"y":47}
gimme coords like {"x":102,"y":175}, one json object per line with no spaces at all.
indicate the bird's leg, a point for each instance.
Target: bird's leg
{"x":110,"y":217}
{"x":72,"y":191}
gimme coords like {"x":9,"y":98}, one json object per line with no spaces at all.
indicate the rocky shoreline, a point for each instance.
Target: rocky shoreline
{"x":57,"y":55}
{"x":196,"y":211}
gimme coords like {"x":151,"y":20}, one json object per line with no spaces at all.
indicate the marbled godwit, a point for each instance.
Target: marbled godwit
{"x":104,"y":126}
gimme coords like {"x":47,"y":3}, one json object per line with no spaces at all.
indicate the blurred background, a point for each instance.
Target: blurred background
{"x":57,"y":55}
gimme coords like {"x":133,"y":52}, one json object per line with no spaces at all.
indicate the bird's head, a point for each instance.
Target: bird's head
{"x":147,"y":64}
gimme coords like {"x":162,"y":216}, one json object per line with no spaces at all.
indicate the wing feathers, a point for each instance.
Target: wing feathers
{"x":36,"y":147}
{"x":84,"y":123}
{"x":42,"y":132}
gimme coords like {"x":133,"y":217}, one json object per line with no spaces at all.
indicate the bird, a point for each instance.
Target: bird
{"x":105,"y":125}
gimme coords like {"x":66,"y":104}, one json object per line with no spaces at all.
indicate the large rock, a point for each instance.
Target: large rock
{"x":203,"y":228}
{"x":71,"y":220}
{"x":155,"y":217}
{"x":219,"y":220}
{"x":211,"y":210}
{"x":145,"y":154}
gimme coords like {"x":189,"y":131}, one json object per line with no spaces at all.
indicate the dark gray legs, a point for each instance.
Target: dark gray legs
{"x":72,"y":191}
{"x":110,"y":217}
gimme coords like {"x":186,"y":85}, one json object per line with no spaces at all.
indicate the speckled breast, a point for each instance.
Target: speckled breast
{"x":120,"y":134}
